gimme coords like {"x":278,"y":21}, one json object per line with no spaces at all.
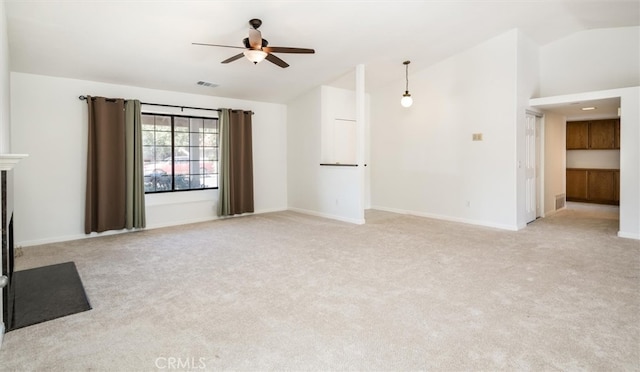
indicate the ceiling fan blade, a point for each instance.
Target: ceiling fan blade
{"x":217,"y":45}
{"x":255,"y":39}
{"x":272,"y":49}
{"x":231,"y":59}
{"x":275,"y":60}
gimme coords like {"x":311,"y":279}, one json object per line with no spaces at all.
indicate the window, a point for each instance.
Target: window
{"x":180,"y":152}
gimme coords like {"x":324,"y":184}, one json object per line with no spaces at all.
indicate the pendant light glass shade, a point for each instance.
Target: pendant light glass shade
{"x":255,"y":56}
{"x":406,"y":100}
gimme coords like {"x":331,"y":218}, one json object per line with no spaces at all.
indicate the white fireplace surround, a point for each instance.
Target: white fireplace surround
{"x":8,"y":161}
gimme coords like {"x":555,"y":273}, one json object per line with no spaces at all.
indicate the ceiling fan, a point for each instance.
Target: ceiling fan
{"x":258,"y":49}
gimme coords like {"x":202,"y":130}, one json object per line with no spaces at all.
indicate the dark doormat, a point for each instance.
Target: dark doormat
{"x":47,"y":293}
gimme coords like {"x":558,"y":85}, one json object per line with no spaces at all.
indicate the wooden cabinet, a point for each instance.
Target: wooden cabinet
{"x":576,"y":185}
{"x":593,"y":185}
{"x":577,"y":135}
{"x":593,"y":134}
{"x":602,"y":134}
{"x":600,"y":186}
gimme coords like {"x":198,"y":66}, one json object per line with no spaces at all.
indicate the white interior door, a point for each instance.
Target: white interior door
{"x":539,"y":167}
{"x":530,"y":169}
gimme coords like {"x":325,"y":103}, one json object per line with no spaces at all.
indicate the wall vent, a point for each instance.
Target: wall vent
{"x":561,"y":201}
{"x":207,"y":84}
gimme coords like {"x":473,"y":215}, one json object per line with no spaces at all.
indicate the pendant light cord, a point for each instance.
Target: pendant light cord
{"x":406,"y":64}
{"x":406,"y":75}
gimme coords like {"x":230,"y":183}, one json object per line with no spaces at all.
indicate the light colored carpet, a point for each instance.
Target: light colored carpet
{"x":285,"y":291}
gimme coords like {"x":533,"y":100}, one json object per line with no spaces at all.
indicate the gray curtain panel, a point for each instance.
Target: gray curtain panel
{"x":224,"y":185}
{"x":236,"y":163}
{"x":135,"y":209}
{"x":105,"y":207}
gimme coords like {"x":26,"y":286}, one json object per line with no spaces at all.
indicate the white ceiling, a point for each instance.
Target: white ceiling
{"x":148,"y":43}
{"x":606,"y":108}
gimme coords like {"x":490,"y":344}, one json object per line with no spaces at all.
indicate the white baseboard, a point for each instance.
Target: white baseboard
{"x":551,"y":213}
{"x":66,"y":238}
{"x":449,"y":218}
{"x":622,"y":234}
{"x":1,"y":333}
{"x":329,"y":216}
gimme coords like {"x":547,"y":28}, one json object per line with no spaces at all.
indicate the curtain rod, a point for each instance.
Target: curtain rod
{"x":84,"y":98}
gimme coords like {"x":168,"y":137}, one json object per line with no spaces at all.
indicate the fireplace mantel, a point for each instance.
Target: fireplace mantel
{"x":8,"y":161}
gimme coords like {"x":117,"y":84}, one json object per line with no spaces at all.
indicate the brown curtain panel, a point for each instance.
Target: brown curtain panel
{"x":236,"y":163}
{"x":106,"y":170}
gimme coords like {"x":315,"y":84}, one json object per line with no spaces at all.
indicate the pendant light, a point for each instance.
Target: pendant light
{"x":406,"y":100}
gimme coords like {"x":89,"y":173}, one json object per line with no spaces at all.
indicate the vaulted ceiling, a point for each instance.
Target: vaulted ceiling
{"x":149,"y":43}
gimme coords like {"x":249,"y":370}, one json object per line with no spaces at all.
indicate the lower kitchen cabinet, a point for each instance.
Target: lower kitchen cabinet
{"x":593,"y":185}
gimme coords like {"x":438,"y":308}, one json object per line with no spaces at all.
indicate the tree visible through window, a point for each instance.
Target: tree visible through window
{"x":180,"y":152}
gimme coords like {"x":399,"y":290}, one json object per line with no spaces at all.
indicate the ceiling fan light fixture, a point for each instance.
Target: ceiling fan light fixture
{"x":256,"y":48}
{"x":255,"y":55}
{"x":406,"y":100}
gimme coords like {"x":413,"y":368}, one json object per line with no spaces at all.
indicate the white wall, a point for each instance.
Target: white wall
{"x":596,"y":159}
{"x":337,"y":104}
{"x":303,"y":150}
{"x":554,"y":160}
{"x":591,"y":60}
{"x":423,"y":159}
{"x":5,"y":131}
{"x":630,"y":164}
{"x":327,"y":191}
{"x":4,"y":111}
{"x":49,"y":123}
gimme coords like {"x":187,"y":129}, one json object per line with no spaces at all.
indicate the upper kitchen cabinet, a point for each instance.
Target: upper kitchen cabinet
{"x":593,"y":134}
{"x":577,"y":135}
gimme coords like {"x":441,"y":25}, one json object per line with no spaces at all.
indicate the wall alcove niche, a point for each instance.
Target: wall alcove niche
{"x":317,"y":185}
{"x":341,"y":143}
{"x":339,"y":127}
{"x":342,"y":154}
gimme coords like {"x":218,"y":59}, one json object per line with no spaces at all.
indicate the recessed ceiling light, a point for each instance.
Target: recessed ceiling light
{"x":589,"y":108}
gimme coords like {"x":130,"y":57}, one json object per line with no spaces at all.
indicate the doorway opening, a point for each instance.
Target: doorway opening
{"x":581,"y":153}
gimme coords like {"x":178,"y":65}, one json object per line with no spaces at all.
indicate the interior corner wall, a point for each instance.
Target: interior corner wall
{"x":528,"y":80}
{"x":630,"y":163}
{"x":423,"y":159}
{"x":49,"y":123}
{"x":554,"y":160}
{"x":5,"y":117}
{"x":303,"y":150}
{"x":591,"y":60}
